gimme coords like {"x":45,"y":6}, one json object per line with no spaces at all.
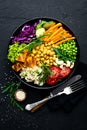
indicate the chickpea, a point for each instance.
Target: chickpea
{"x":49,"y":43}
{"x":48,"y":47}
{"x":53,"y":45}
{"x":42,"y":46}
{"x":52,"y":53}
{"x":46,"y":44}
{"x":44,"y":52}
{"x":46,"y":57}
{"x":34,"y":51}
{"x":42,"y":59}
{"x":37,"y":59}
{"x":45,"y":61}
{"x":51,"y":49}
{"x":41,"y":49}
{"x":48,"y":62}
{"x":51,"y":60}
{"x":39,"y":64}
{"x":41,"y":55}
{"x":37,"y":55}
{"x":54,"y":56}
{"x":32,"y":54}
{"x":50,"y":57}
{"x":51,"y":64}
{"x":39,"y":52}
{"x":37,"y":47}
{"x":48,"y":52}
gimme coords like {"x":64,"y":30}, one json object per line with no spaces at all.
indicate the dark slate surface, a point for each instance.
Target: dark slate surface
{"x":14,"y":13}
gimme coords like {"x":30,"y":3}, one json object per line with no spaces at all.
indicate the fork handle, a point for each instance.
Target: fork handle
{"x":41,"y":104}
{"x":34,"y":106}
{"x":38,"y":107}
{"x":29,"y":107}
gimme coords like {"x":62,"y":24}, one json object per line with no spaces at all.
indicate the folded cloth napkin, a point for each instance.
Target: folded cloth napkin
{"x":67,"y":103}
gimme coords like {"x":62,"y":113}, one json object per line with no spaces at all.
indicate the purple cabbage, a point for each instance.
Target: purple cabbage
{"x":25,"y":35}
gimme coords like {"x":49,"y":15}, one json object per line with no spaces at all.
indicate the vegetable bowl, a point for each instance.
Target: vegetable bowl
{"x":43,"y":53}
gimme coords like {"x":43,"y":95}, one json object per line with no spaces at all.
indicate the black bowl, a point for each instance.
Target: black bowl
{"x":46,"y":86}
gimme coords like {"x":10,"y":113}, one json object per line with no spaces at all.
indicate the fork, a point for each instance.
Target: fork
{"x":67,"y":90}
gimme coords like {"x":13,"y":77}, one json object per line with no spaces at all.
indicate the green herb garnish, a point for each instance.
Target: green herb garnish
{"x":46,"y":73}
{"x":60,"y":54}
{"x":34,"y":43}
{"x":11,"y":88}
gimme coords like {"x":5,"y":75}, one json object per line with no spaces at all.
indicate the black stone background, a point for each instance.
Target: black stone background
{"x":14,"y":13}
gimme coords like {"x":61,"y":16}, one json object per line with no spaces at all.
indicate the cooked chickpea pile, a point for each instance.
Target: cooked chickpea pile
{"x":44,"y":53}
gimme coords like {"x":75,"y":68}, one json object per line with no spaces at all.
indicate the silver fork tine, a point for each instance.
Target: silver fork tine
{"x":78,"y":87}
{"x":78,"y":82}
{"x":82,"y":86}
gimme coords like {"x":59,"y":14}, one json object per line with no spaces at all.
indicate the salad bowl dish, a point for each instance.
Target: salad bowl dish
{"x":43,"y":53}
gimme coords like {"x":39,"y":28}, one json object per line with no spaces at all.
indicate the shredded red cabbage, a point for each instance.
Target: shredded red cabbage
{"x":25,"y":34}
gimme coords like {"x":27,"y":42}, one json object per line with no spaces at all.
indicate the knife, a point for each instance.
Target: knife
{"x":34,"y":106}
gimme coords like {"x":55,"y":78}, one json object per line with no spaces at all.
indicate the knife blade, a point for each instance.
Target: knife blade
{"x":69,"y":82}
